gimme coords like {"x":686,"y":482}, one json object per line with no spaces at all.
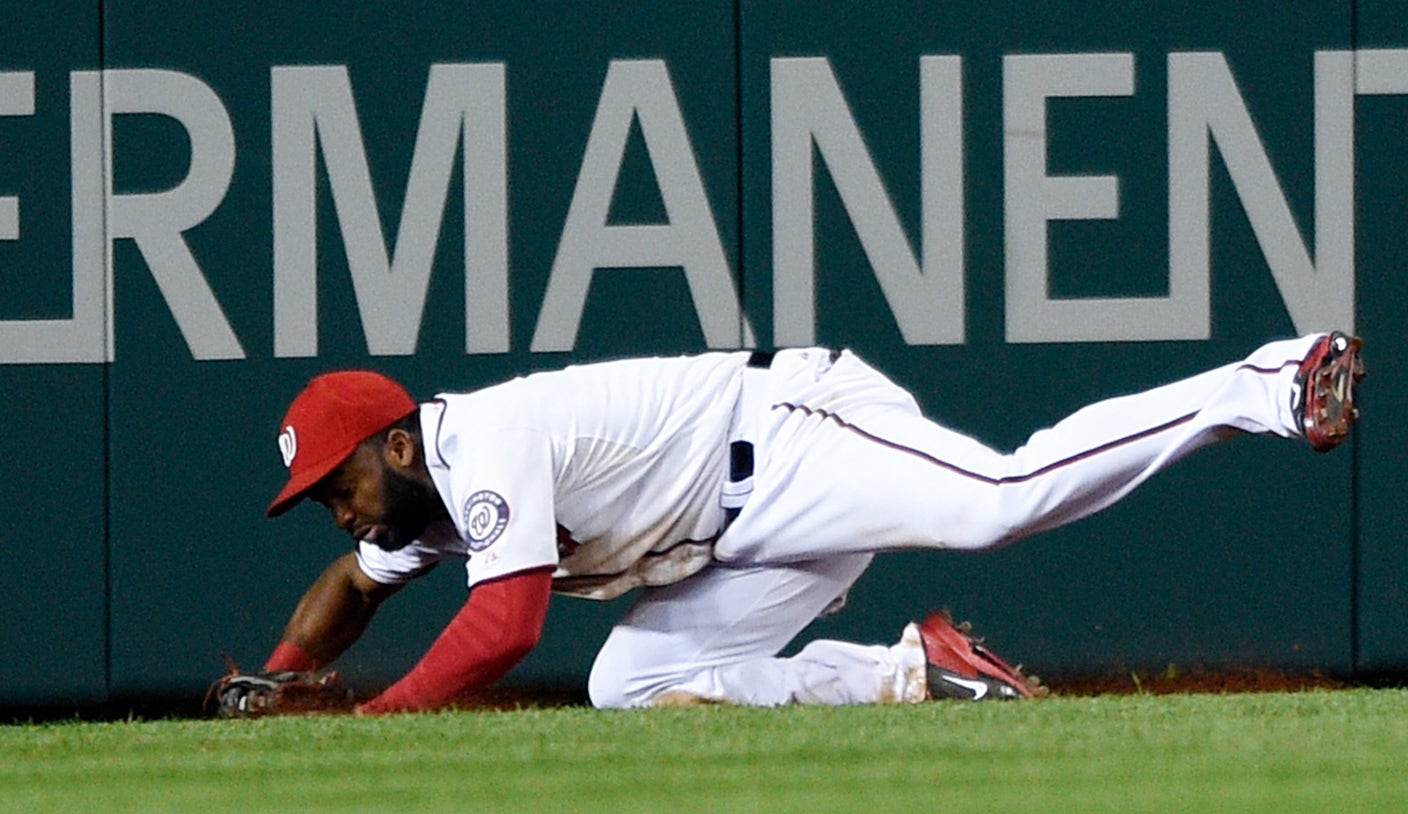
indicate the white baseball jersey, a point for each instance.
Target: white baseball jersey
{"x":609,"y":472}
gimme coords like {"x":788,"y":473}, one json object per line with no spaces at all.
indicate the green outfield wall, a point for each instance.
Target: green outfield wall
{"x":1014,"y":208}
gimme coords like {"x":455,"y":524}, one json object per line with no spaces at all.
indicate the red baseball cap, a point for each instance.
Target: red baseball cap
{"x":325,"y":423}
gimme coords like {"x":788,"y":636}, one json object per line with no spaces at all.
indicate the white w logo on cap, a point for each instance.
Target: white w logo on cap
{"x":288,"y":444}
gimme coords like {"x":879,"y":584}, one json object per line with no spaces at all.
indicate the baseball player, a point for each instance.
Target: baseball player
{"x":741,"y":493}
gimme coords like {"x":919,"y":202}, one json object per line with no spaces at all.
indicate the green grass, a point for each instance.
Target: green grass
{"x":1340,"y":751}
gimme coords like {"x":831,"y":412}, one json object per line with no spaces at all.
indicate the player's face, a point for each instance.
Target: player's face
{"x":408,"y":506}
{"x":377,"y":502}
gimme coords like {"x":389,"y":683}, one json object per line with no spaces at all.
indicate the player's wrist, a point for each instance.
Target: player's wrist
{"x":290,"y":655}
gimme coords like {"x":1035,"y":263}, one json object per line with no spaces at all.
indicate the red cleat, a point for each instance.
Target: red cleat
{"x":959,"y":666}
{"x":1326,"y":382}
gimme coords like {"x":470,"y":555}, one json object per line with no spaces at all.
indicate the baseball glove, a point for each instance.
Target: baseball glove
{"x":252,"y":695}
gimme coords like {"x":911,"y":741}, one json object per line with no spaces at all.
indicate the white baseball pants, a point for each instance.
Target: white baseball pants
{"x":847,"y":466}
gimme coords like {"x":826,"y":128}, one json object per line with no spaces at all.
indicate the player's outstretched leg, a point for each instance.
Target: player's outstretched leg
{"x":1325,"y":387}
{"x":840,"y":480}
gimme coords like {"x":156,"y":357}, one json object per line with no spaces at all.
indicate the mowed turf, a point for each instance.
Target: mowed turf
{"x":1340,"y":751}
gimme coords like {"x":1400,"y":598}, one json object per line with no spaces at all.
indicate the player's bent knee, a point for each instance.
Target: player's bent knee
{"x":603,"y":697}
{"x":605,"y":694}
{"x":604,"y":701}
{"x":609,"y":688}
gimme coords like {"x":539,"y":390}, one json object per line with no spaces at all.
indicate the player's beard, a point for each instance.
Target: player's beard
{"x":410,"y":505}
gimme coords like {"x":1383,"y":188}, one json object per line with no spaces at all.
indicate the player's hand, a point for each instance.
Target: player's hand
{"x":252,"y":695}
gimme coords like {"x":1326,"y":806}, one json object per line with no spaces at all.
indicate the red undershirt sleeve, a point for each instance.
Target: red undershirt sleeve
{"x":496,"y":628}
{"x":290,"y":656}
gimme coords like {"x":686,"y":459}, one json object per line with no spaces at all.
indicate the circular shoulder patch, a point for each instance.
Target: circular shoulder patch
{"x":485,"y":516}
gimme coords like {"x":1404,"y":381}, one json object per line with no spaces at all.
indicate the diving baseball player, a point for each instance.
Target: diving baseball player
{"x":741,"y":494}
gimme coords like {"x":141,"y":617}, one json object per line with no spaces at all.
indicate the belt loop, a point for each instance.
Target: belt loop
{"x":740,"y":461}
{"x":761,"y":358}
{"x":740,"y":480}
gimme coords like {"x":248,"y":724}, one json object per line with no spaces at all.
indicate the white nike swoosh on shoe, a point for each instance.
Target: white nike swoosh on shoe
{"x":979,"y":688}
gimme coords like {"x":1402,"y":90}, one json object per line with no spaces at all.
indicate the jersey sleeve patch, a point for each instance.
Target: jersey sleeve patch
{"x":486,"y":515}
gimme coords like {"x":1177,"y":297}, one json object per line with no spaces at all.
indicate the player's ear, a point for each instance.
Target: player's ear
{"x":400,"y":448}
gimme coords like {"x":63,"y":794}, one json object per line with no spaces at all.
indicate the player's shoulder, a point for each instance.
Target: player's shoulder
{"x":488,"y":407}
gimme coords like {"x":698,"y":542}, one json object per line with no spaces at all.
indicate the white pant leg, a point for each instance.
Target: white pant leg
{"x":888,"y":478}
{"x":716,"y":635}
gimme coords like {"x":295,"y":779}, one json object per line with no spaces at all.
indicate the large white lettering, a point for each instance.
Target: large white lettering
{"x":313,"y":106}
{"x":16,"y":99}
{"x":1381,"y":71}
{"x":808,"y":108}
{"x":1033,"y":199}
{"x":1205,"y":106}
{"x":84,"y":337}
{"x":640,"y":90}
{"x":156,"y":220}
{"x":313,"y":113}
